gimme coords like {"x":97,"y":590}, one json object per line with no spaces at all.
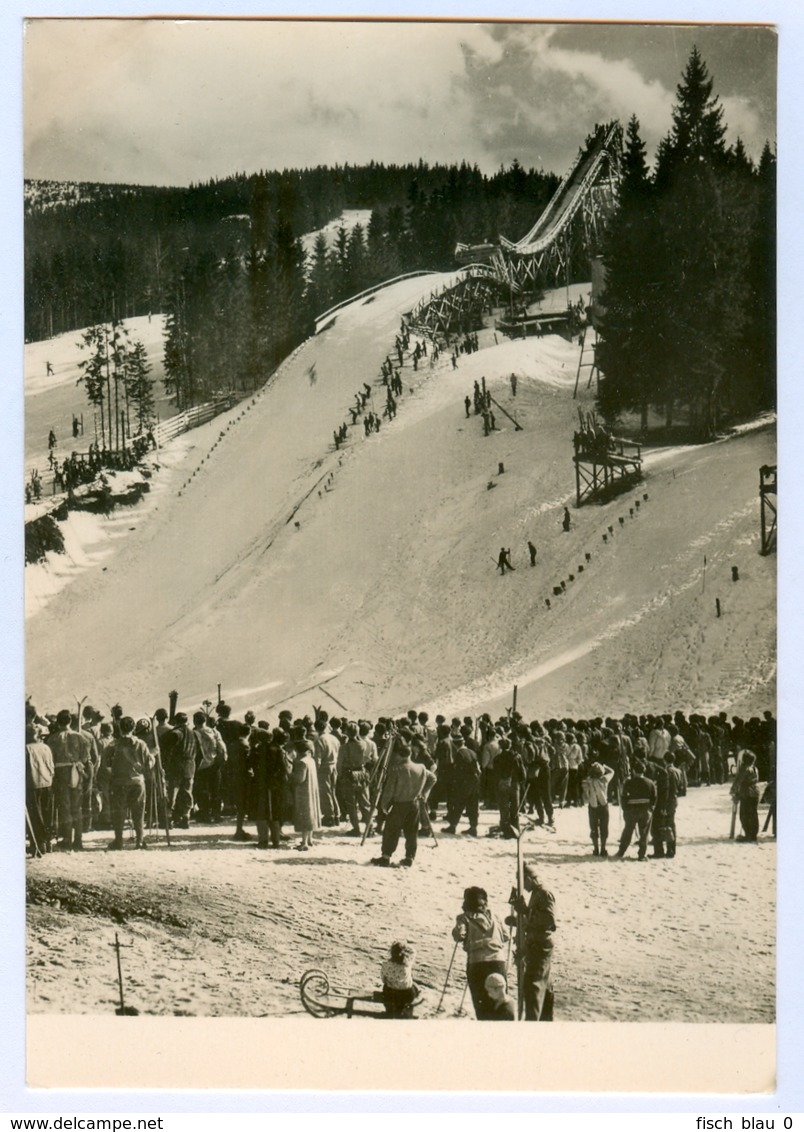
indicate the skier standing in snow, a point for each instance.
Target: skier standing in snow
{"x":509,"y":772}
{"x":638,"y":802}
{"x":236,"y":735}
{"x":444,"y":755}
{"x":745,"y":791}
{"x":466,"y":789}
{"x":325,"y":751}
{"x":209,"y":771}
{"x":131,"y":762}
{"x":540,"y":924}
{"x":504,"y":560}
{"x":72,"y":764}
{"x":353,"y":778}
{"x":594,"y":790}
{"x":179,"y":753}
{"x":38,"y":782}
{"x":484,"y":938}
{"x":541,"y":787}
{"x":407,"y":786}
{"x":271,"y":764}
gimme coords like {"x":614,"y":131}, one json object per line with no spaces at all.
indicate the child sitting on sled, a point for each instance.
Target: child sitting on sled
{"x":399,"y":991}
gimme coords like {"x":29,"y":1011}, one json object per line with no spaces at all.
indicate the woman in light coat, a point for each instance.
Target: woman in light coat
{"x":307,"y":808}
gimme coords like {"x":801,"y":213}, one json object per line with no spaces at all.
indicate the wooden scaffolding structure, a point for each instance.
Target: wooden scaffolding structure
{"x":571,"y":227}
{"x":767,"y":489}
{"x":605,"y":465}
{"x":459,"y":306}
{"x":584,"y":362}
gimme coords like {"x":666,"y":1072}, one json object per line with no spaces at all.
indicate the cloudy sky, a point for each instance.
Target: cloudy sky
{"x":175,"y":101}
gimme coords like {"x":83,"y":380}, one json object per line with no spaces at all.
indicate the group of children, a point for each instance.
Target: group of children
{"x":486,"y":940}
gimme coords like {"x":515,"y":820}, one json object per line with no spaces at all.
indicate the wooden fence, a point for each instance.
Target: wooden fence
{"x":192,"y":418}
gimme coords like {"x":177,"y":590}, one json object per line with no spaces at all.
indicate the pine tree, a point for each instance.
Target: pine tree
{"x":93,"y":372}
{"x":179,"y":377}
{"x":703,"y":270}
{"x":356,"y":260}
{"x":698,"y":131}
{"x":257,"y":336}
{"x":754,"y":367}
{"x":319,"y":286}
{"x":116,"y":359}
{"x":685,"y":274}
{"x":139,"y":386}
{"x":288,"y":310}
{"x":103,"y":374}
{"x":630,"y":350}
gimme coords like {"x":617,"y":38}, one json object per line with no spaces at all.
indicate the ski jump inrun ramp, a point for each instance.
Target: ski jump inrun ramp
{"x":561,"y":241}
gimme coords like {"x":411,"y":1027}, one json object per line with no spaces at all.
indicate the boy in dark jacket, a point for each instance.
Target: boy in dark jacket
{"x":639,"y":801}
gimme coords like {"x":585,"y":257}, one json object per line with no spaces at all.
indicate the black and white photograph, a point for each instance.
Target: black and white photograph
{"x":400,"y":535}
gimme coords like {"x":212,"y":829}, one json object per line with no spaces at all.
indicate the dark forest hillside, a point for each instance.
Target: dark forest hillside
{"x":97,"y":252}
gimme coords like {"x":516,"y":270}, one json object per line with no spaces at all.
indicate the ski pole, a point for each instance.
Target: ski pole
{"x":512,"y":901}
{"x":160,"y":785}
{"x":770,"y":815}
{"x":385,"y":759}
{"x":520,"y":928}
{"x":449,"y":972}
{"x":116,"y":946}
{"x":36,"y":851}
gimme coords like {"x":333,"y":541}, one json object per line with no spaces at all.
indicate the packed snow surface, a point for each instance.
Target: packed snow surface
{"x":215,"y":927}
{"x":364,"y":580}
{"x":265,"y":559}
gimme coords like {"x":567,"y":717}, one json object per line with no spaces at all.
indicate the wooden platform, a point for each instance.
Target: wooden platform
{"x":536,"y":325}
{"x":605,"y":465}
{"x":768,"y":516}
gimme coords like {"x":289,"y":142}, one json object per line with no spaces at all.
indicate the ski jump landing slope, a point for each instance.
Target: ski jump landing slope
{"x":364,"y":580}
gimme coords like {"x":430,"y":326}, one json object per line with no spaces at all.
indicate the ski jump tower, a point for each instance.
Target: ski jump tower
{"x":568,"y":232}
{"x":562,"y":241}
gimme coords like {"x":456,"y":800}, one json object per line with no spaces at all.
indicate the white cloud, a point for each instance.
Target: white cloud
{"x":170,"y":101}
{"x":220,"y":96}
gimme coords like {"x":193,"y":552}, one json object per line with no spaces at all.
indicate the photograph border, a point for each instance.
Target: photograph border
{"x":788,"y":1094}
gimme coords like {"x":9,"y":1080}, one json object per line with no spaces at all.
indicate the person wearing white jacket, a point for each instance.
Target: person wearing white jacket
{"x":484,"y":938}
{"x":594,"y":791}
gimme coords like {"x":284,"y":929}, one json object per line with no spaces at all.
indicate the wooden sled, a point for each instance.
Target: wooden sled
{"x":322,"y":1001}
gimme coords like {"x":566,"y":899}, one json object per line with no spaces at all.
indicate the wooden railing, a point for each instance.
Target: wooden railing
{"x":322,"y":318}
{"x":192,"y":418}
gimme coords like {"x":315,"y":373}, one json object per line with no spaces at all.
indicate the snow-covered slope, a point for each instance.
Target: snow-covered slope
{"x":348,"y":220}
{"x":365,"y":578}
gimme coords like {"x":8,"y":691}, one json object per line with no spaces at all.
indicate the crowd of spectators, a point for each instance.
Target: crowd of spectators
{"x":86,"y":772}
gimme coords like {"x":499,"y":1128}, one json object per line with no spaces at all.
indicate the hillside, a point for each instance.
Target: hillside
{"x":386,"y":595}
